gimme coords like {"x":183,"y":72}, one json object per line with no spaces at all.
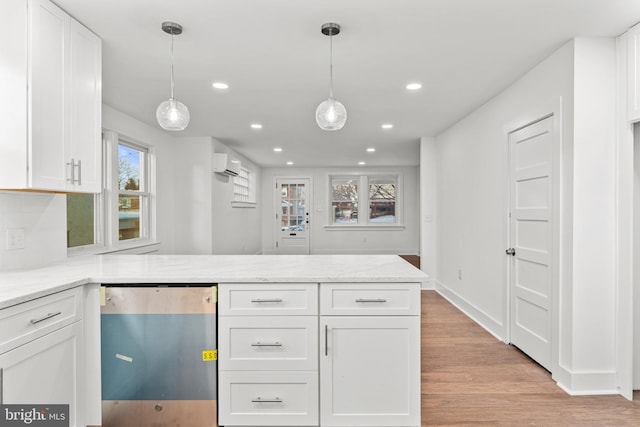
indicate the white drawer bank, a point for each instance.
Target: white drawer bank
{"x":328,"y":354}
{"x":41,"y":352}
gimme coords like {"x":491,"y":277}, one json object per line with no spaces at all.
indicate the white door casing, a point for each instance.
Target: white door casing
{"x":531,"y":239}
{"x":292,"y":206}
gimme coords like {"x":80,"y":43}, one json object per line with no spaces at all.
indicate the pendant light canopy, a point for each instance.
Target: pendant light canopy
{"x":172,"y":114}
{"x":331,"y":114}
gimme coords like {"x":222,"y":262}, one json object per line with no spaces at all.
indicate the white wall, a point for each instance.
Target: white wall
{"x":428,"y":205}
{"x":192,"y":162}
{"x":636,"y":259}
{"x":472,"y":205}
{"x":43,"y":219}
{"x":331,"y":241}
{"x":235,"y":230}
{"x":471,"y":183}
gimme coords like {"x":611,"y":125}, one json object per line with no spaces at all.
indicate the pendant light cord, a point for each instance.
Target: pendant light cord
{"x":331,"y":64}
{"x":172,"y":65}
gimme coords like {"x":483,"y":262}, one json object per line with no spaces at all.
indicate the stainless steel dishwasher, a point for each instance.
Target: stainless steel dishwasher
{"x":159,"y":357}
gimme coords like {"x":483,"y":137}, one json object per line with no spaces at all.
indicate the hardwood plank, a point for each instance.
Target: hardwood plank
{"x":471,"y":378}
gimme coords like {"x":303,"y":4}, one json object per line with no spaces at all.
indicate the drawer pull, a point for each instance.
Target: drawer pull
{"x":47,"y":317}
{"x":371,"y":300}
{"x":261,"y":400}
{"x":258,"y":300}
{"x":266,"y":344}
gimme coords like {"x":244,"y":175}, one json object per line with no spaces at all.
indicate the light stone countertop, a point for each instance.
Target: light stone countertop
{"x":22,"y":285}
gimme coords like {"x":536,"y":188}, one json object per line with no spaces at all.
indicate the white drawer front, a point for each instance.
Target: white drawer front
{"x":267,"y":299}
{"x":268,"y":343}
{"x":370,"y":299}
{"x":268,"y":398}
{"x":25,"y":322}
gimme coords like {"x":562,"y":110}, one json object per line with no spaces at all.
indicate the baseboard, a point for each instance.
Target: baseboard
{"x":586,"y":383}
{"x":491,"y":325}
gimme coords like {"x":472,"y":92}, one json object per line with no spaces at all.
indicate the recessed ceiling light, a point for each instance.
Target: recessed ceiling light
{"x":289,"y":163}
{"x":277,"y":149}
{"x":256,"y":126}
{"x":362,"y":163}
{"x":371,"y":150}
{"x":220,"y":85}
{"x":414,"y":86}
{"x":387,"y":126}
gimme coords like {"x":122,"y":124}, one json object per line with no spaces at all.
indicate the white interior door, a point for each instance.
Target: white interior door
{"x":292,"y":215}
{"x":531,"y":239}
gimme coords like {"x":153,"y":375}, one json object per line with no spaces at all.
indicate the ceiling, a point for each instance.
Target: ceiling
{"x":276,"y":62}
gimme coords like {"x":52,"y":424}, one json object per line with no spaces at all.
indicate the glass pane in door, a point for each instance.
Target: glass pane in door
{"x":292,"y":199}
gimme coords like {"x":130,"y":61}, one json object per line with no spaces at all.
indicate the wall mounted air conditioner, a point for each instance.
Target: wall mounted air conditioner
{"x":224,"y":164}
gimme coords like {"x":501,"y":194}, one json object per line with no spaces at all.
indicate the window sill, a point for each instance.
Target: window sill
{"x":137,"y":247}
{"x":243,"y":205}
{"x":364,"y":227}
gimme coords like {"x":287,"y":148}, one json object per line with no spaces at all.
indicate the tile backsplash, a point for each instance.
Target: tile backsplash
{"x":33,"y":229}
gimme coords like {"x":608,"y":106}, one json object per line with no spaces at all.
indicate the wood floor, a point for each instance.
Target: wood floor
{"x":470,"y":378}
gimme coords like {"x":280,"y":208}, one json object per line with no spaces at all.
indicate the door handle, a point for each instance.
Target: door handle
{"x":264,"y":344}
{"x":511,"y":251}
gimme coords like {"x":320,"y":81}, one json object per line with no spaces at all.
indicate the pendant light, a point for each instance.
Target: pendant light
{"x":172,"y":114}
{"x":331,"y":114}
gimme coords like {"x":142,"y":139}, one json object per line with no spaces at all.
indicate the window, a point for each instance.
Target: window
{"x":132,"y":191}
{"x":344,"y":200}
{"x":123,"y":211}
{"x":244,"y":193}
{"x":382,"y":200}
{"x":241,"y":186}
{"x":365,"y":200}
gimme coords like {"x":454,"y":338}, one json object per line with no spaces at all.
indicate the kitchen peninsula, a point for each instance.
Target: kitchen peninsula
{"x":378,"y":295}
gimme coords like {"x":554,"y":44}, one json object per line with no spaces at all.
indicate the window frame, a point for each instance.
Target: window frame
{"x":364,"y":204}
{"x":112,"y":192}
{"x":250,"y":178}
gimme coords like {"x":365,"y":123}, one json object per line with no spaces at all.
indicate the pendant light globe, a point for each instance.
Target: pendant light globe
{"x":172,"y":114}
{"x":331,"y":115}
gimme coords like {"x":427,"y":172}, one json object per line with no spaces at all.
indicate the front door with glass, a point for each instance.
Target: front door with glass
{"x":292,"y":215}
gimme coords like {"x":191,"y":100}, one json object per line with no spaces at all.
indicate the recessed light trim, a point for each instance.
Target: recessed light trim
{"x":387,"y":126}
{"x":371,"y":150}
{"x":220,"y":85}
{"x":289,"y":163}
{"x":277,"y":150}
{"x":362,"y":163}
{"x":414,"y":86}
{"x":256,"y":126}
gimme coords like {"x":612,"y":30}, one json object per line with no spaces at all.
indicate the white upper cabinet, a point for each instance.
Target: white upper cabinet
{"x":633,"y":84}
{"x":53,"y":78}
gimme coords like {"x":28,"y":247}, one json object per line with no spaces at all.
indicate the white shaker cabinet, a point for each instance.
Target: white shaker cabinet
{"x":633,"y":74}
{"x":41,"y":353}
{"x":370,"y":361}
{"x":51,"y":77}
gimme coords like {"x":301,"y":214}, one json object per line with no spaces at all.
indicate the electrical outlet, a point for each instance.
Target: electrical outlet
{"x":15,"y":239}
{"x":459,"y":274}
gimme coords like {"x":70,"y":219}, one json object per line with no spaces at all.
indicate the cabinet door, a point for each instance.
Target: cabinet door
{"x":50,"y":107}
{"x":370,"y":371}
{"x":46,"y":371}
{"x":86,"y":101}
{"x":633,"y":83}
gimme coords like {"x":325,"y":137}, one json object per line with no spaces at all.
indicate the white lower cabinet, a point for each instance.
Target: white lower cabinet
{"x":42,"y":353}
{"x":370,"y":371}
{"x":334,"y":354}
{"x":46,"y":371}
